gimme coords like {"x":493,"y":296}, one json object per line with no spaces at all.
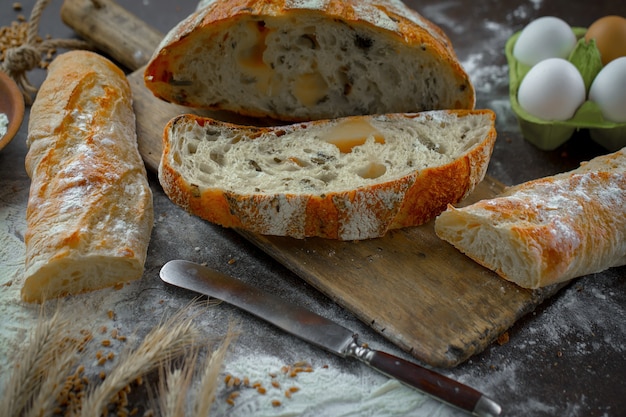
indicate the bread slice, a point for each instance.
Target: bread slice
{"x":309,"y":60}
{"x":89,"y":214}
{"x":349,"y":178}
{"x":547,"y":230}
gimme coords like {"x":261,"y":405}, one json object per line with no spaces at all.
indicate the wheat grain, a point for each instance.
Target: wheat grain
{"x":164,"y":342}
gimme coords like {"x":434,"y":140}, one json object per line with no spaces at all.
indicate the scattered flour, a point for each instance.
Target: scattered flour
{"x":323,"y":392}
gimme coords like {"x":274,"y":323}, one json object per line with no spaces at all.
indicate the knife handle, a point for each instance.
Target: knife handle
{"x":427,"y":381}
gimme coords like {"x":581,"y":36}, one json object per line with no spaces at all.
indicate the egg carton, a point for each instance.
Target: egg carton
{"x":550,"y":134}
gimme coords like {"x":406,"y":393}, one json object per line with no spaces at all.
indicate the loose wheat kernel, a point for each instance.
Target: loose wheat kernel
{"x":261,"y":390}
{"x":237,"y":381}
{"x":102,"y":375}
{"x":106,"y":342}
{"x":246,"y":381}
{"x":102,"y":361}
{"x":294,"y":389}
{"x":276,"y":403}
{"x":103,"y":329}
{"x":288,"y":394}
{"x":275,"y":384}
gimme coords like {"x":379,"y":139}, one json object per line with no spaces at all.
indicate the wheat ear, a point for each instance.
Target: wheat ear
{"x":207,"y":388}
{"x":164,"y":342}
{"x":29,"y":372}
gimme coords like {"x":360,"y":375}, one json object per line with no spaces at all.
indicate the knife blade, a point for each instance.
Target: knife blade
{"x":325,"y":334}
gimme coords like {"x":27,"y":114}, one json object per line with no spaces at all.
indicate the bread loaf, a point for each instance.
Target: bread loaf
{"x":297,"y":61}
{"x":89,"y":213}
{"x":547,"y":230}
{"x":349,"y":178}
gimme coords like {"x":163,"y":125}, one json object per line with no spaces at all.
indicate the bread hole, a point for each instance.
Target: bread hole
{"x":308,"y":40}
{"x":205,"y":168}
{"x":351,"y":133}
{"x":299,"y":162}
{"x":192,"y":147}
{"x":250,"y":54}
{"x":217,"y":157}
{"x":176,"y":157}
{"x":372,"y":170}
{"x":363,"y":42}
{"x":310,"y":89}
{"x":326,"y":177}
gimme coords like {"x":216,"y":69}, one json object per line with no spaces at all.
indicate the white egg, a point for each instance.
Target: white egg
{"x":543,"y":38}
{"x":552,"y":90}
{"x":608,"y":90}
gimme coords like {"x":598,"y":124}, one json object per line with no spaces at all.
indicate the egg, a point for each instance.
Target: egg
{"x":543,"y":38}
{"x":609,"y":32}
{"x":553,"y":89}
{"x":608,"y":90}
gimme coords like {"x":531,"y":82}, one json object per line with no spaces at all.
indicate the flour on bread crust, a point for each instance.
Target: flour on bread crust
{"x":548,"y":230}
{"x":89,"y":213}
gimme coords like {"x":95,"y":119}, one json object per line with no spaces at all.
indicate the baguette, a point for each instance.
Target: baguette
{"x":299,"y":61}
{"x":89,"y":214}
{"x":548,"y":230}
{"x":349,"y":179}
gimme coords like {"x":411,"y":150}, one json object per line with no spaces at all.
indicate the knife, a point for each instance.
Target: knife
{"x":325,"y":334}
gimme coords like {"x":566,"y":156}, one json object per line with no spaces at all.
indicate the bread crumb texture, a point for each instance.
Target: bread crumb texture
{"x":349,"y":178}
{"x":309,"y":60}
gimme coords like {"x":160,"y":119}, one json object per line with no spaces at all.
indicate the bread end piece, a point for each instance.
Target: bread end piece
{"x":548,"y":230}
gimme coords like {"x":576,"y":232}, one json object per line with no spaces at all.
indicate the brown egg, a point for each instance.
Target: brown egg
{"x":609,"y":33}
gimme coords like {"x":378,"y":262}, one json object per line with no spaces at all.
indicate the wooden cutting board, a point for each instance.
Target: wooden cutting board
{"x":411,"y":287}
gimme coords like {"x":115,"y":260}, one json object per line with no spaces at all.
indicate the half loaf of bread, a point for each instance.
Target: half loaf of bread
{"x":89,"y":213}
{"x":547,"y":230}
{"x":349,"y":178}
{"x":309,"y":60}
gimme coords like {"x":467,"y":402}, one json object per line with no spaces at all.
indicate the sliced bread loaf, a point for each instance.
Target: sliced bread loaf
{"x":297,"y":61}
{"x":349,"y":178}
{"x":547,"y":230}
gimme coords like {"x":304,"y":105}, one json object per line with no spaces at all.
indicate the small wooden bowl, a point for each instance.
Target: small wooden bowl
{"x":11,"y":104}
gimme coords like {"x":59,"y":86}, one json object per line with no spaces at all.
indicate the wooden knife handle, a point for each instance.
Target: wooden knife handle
{"x":113,"y":30}
{"x":433,"y":383}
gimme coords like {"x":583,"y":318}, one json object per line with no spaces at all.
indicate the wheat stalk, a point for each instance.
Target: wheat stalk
{"x":174,"y":386}
{"x":208,"y":380}
{"x":164,"y":342}
{"x":41,"y":358}
{"x":50,"y":388}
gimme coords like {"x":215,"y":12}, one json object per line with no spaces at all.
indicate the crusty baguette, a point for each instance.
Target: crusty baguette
{"x":350,"y":178}
{"x":89,"y":214}
{"x":298,"y":61}
{"x":547,"y":230}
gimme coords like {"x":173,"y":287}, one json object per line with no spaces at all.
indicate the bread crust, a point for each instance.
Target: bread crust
{"x":547,"y":230}
{"x":352,"y":214}
{"x":89,"y":214}
{"x":390,"y":19}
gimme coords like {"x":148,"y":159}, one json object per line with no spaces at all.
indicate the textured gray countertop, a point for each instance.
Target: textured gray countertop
{"x":567,"y":358}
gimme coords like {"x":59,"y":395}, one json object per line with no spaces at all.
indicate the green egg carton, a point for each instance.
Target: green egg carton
{"x":550,"y":134}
